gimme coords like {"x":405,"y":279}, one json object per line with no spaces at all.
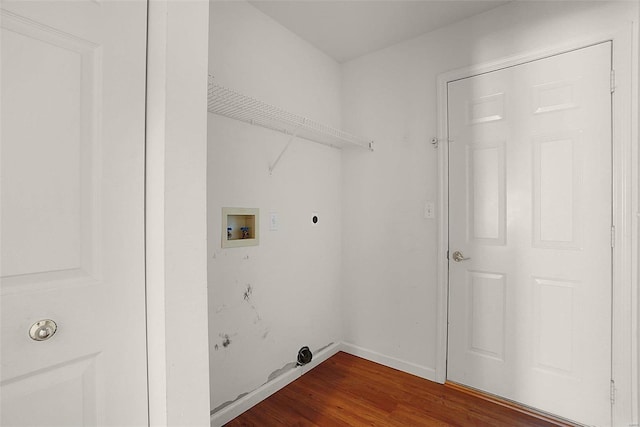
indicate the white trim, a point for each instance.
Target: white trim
{"x":154,"y":214}
{"x":175,"y":214}
{"x":442,"y":265}
{"x":625,"y":175}
{"x":624,"y":207}
{"x":391,"y":362}
{"x":635,"y":296}
{"x":245,"y":403}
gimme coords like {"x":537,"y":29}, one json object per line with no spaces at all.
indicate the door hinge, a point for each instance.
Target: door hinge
{"x":613,"y":392}
{"x":612,"y":81}
{"x":435,"y":141}
{"x":613,"y":236}
{"x":447,"y":254}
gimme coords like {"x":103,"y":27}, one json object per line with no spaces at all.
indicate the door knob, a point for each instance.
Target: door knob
{"x":457,"y":256}
{"x":42,"y":330}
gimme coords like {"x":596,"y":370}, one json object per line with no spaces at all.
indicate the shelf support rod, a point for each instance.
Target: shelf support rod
{"x":275,"y":163}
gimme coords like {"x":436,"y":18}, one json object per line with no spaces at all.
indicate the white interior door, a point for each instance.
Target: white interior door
{"x":72,"y":206}
{"x":530,"y":204}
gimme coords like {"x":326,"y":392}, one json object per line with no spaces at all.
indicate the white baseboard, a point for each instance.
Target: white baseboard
{"x":243,"y":404}
{"x":391,"y":362}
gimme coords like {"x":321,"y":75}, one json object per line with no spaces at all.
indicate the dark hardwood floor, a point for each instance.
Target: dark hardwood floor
{"x":346,"y":390}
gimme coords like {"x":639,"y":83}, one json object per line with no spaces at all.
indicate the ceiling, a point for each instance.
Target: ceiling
{"x":347,"y":29}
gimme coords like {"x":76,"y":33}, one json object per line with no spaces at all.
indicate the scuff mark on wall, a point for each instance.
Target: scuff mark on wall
{"x":258,"y":318}
{"x":275,"y":374}
{"x":325,"y":347}
{"x":248,"y":292}
{"x":227,"y":403}
{"x":215,"y":347}
{"x":219,"y":254}
{"x":226,"y":340}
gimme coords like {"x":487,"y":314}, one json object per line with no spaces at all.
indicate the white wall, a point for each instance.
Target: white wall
{"x":294,"y":273}
{"x":389,"y":252}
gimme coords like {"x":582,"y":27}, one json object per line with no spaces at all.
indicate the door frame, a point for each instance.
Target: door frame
{"x":625,"y":206}
{"x":176,"y":207}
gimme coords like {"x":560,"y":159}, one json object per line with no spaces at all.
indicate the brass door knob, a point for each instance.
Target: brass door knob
{"x":457,"y":256}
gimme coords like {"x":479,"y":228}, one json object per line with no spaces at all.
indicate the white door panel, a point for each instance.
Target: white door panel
{"x":530,"y":205}
{"x":72,"y":212}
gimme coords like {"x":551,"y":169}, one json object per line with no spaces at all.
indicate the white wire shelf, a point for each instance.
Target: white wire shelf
{"x":232,"y":104}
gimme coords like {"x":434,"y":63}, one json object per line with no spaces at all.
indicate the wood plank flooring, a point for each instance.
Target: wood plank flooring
{"x":346,"y":390}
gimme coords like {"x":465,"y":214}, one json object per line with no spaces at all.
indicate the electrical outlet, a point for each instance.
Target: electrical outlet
{"x":274,"y":221}
{"x":429,"y":210}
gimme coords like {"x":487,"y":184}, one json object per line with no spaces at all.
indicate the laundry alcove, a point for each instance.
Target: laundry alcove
{"x":275,"y":144}
{"x":363,"y":277}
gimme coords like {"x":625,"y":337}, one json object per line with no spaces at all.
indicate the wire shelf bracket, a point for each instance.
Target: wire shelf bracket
{"x":229,"y":103}
{"x":275,"y":163}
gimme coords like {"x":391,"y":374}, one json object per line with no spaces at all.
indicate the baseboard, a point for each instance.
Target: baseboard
{"x":514,"y":406}
{"x":391,"y":362}
{"x":243,"y":404}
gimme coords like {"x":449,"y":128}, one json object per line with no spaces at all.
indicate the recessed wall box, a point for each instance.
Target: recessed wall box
{"x":240,"y":227}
